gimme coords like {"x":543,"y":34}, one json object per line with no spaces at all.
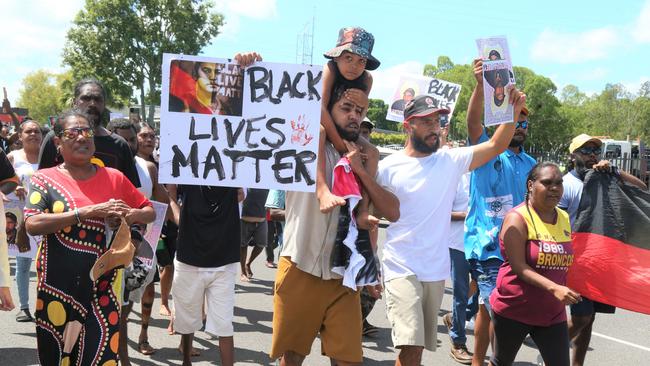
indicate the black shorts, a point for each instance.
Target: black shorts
{"x":588,"y":307}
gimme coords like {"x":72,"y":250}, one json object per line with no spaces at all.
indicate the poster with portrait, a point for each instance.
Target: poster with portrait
{"x":497,"y":76}
{"x":155,"y":228}
{"x":498,"y":108}
{"x":224,"y":125}
{"x":14,"y":215}
{"x":444,"y":94}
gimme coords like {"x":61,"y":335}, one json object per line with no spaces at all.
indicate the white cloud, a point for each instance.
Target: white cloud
{"x":233,"y":10}
{"x":36,"y":43}
{"x":567,"y":48}
{"x":386,"y":80}
{"x":641,"y":29}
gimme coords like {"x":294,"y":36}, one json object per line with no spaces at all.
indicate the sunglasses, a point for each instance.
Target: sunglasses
{"x":74,"y":132}
{"x":522,"y":124}
{"x":589,"y":150}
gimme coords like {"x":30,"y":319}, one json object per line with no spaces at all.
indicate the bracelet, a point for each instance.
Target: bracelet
{"x":76,"y":215}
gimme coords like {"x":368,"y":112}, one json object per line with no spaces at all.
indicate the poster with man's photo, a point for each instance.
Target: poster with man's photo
{"x":205,"y":87}
{"x":20,"y":245}
{"x":497,"y":76}
{"x":225,"y":125}
{"x":443,"y":93}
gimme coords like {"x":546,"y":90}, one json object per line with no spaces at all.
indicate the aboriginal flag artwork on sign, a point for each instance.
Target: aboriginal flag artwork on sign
{"x":611,"y":242}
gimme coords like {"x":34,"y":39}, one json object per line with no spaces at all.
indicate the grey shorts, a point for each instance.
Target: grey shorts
{"x":254,"y":234}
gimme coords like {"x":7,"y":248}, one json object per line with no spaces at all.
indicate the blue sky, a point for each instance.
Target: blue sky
{"x":572,"y":42}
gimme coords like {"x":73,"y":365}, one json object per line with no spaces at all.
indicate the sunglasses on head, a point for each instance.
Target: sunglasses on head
{"x":74,"y":132}
{"x":589,"y":150}
{"x":522,"y":124}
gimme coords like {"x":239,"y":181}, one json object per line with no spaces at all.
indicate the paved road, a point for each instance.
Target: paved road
{"x":622,"y":339}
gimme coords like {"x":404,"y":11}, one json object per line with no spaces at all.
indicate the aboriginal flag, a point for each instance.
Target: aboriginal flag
{"x":611,"y":242}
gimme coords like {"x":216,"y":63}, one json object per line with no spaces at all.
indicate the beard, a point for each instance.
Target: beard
{"x":420,"y":146}
{"x":580,"y":168}
{"x":352,"y":136}
{"x":95,"y":117}
{"x":517,"y":142}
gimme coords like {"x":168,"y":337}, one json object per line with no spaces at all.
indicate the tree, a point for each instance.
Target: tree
{"x":121,"y":42}
{"x":42,"y":93}
{"x":377,"y":110}
{"x":644,"y":90}
{"x":572,"y":95}
{"x":548,"y":130}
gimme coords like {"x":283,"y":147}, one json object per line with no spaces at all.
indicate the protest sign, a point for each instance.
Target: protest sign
{"x":224,"y":125}
{"x":155,"y":228}
{"x":444,"y":94}
{"x":14,"y":215}
{"x":497,"y":75}
{"x":498,"y":109}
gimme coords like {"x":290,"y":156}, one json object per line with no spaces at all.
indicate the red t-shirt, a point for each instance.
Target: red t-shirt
{"x":69,"y":194}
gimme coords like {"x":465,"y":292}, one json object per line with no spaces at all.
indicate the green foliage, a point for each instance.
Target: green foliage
{"x":121,"y":42}
{"x":383,"y":139}
{"x":43,"y":94}
{"x":377,"y":110}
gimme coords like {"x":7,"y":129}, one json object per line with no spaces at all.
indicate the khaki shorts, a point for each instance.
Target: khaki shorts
{"x":305,"y":305}
{"x":412,"y":309}
{"x":192,"y":286}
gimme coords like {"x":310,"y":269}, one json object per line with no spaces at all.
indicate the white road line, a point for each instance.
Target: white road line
{"x":622,"y":341}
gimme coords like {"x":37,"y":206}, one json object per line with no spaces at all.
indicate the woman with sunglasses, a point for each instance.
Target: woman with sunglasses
{"x":531,"y":293}
{"x":70,"y":205}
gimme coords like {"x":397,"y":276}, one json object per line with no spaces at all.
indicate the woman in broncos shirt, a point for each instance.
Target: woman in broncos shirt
{"x":531,"y":295}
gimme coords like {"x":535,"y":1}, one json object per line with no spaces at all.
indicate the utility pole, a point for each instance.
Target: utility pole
{"x":305,"y":43}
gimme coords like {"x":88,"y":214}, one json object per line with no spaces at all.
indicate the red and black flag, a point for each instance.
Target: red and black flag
{"x":611,"y":242}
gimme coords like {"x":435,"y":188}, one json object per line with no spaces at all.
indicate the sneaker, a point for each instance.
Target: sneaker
{"x":460,"y":354}
{"x":24,"y":316}
{"x":469,"y":325}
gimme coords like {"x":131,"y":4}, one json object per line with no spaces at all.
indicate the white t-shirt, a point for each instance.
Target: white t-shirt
{"x":461,"y":202}
{"x":417,"y":244}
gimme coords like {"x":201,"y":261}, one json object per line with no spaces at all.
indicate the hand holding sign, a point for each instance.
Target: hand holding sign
{"x":247,"y":59}
{"x":478,"y":70}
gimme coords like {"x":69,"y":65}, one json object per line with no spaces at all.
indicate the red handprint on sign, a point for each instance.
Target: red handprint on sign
{"x":300,"y":134}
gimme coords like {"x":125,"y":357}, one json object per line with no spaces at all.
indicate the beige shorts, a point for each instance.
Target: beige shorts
{"x":412,"y":309}
{"x":192,"y":286}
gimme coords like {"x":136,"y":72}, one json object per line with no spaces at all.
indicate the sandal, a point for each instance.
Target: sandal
{"x":195,"y":352}
{"x":145,"y":348}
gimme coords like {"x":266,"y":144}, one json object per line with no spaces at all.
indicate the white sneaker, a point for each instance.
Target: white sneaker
{"x":469,"y":325}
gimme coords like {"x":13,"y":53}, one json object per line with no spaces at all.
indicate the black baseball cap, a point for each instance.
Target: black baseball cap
{"x":422,"y":105}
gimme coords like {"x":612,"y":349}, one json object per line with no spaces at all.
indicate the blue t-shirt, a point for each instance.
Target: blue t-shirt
{"x":495,"y":188}
{"x":275,"y":199}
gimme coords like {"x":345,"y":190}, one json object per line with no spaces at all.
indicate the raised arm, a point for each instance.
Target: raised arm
{"x":325,"y":117}
{"x":475,"y":107}
{"x":486,"y":151}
